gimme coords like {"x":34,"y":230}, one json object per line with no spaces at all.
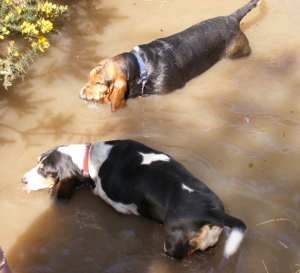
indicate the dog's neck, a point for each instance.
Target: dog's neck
{"x":143,"y":71}
{"x":85,"y":171}
{"x":131,"y":67}
{"x":79,"y":154}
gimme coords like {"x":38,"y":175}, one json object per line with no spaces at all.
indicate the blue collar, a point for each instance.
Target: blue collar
{"x":143,"y":71}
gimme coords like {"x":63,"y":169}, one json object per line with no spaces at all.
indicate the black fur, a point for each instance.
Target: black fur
{"x":161,"y":189}
{"x":172,"y":61}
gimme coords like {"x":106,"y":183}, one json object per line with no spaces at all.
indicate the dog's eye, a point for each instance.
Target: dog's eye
{"x":43,"y":173}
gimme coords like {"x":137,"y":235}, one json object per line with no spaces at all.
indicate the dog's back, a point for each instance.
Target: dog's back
{"x":194,"y":50}
{"x":134,"y":178}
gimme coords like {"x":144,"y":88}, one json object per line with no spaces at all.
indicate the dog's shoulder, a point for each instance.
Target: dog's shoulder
{"x":99,"y":152}
{"x":122,"y":154}
{"x":124,"y":150}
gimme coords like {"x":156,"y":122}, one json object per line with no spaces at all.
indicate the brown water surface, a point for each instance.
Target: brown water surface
{"x":236,"y":127}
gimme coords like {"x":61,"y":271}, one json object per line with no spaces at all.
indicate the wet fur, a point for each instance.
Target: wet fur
{"x":170,"y":62}
{"x":135,"y":179}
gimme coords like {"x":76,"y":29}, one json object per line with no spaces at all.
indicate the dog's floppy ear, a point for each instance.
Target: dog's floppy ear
{"x":63,"y":189}
{"x":117,"y":94}
{"x":117,"y":84}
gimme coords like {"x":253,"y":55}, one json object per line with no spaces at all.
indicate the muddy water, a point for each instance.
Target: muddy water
{"x":236,"y":127}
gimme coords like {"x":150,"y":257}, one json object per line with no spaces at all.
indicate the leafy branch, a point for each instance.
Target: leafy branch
{"x":31,"y":19}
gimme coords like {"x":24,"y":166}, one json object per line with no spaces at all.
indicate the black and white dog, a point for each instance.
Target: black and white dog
{"x":135,"y":179}
{"x":168,"y":63}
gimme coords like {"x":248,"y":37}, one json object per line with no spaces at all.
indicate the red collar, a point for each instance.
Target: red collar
{"x":85,"y":171}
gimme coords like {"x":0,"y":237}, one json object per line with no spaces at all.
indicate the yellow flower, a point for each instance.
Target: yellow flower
{"x":16,"y":53}
{"x":46,"y":25}
{"x":1,"y":37}
{"x":43,"y":41}
{"x":5,"y":30}
{"x":8,"y":49}
{"x":27,"y":27}
{"x":19,"y":10}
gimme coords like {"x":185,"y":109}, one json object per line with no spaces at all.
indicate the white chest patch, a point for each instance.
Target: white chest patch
{"x":76,"y":151}
{"x":149,"y":158}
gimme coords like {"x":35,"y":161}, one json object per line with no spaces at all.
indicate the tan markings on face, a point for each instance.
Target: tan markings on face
{"x":208,"y":236}
{"x":98,"y":88}
{"x":36,"y":181}
{"x":41,"y":166}
{"x":107,"y":83}
{"x":39,"y":159}
{"x":47,"y":183}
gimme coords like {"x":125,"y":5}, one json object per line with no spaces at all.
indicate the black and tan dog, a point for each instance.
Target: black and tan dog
{"x":168,"y":63}
{"x":136,"y":179}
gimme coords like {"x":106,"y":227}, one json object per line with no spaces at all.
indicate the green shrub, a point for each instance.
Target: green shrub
{"x":32,"y":19}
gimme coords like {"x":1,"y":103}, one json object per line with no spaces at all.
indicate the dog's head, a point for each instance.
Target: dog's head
{"x":107,"y":83}
{"x":60,"y":168}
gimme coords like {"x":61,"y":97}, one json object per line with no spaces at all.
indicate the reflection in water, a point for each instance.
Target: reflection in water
{"x":236,"y":127}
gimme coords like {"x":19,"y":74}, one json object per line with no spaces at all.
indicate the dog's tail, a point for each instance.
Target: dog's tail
{"x":241,"y":12}
{"x":236,"y":235}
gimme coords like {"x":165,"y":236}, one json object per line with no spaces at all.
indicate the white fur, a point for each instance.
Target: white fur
{"x":136,"y":49}
{"x":185,"y":187}
{"x":208,"y":236}
{"x":99,"y":152}
{"x":77,"y":153}
{"x":212,"y":235}
{"x":35,"y":181}
{"x":33,"y":176}
{"x":233,"y":242}
{"x":149,"y":158}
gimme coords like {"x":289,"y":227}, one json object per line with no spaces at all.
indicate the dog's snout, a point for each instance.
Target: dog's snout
{"x":82,"y":95}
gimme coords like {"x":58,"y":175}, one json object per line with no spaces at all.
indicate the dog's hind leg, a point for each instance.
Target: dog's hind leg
{"x":238,"y":47}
